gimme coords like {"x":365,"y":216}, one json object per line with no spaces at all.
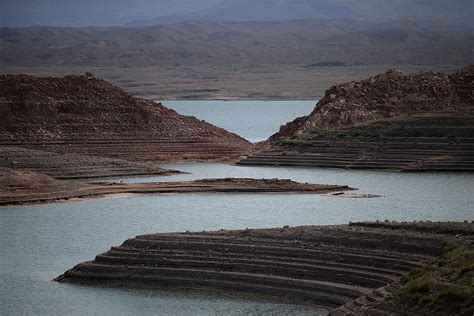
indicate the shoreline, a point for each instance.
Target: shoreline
{"x":153,"y":82}
{"x":205,"y":186}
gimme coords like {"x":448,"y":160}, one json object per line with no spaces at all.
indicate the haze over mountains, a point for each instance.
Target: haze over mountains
{"x":21,"y":13}
{"x":233,"y":48}
{"x":310,"y":43}
{"x":283,"y":10}
{"x":71,"y":13}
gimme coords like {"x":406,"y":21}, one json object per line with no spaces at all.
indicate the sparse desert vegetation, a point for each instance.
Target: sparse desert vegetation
{"x":445,"y":285}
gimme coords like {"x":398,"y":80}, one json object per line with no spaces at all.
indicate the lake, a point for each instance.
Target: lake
{"x":42,"y":241}
{"x":253,"y":120}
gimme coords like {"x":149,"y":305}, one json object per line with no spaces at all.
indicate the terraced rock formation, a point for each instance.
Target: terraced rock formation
{"x":74,"y":166}
{"x":421,"y":122}
{"x":86,"y":115}
{"x":442,"y":141}
{"x":28,"y":187}
{"x":327,"y":266}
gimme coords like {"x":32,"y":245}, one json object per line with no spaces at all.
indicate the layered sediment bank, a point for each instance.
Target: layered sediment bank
{"x":74,"y":166}
{"x":442,"y":141}
{"x":337,"y":267}
{"x":29,"y":187}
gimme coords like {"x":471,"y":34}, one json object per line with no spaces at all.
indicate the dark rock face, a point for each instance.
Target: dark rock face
{"x":385,"y":96}
{"x":83,"y":114}
{"x":323,"y":265}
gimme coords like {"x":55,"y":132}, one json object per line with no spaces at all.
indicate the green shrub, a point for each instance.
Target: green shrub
{"x":445,"y":285}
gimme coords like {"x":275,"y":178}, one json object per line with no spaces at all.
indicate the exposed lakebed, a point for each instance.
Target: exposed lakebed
{"x":40,"y":242}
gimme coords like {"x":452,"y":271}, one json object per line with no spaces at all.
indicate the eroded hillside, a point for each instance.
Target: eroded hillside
{"x":386,"y":96}
{"x":86,"y":115}
{"x":419,"y":122}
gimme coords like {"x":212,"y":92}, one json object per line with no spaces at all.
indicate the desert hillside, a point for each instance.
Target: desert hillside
{"x":86,"y":115}
{"x":418,"y":122}
{"x":386,"y":96}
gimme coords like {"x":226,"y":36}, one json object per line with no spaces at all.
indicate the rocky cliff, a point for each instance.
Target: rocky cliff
{"x":83,"y":114}
{"x":385,"y":96}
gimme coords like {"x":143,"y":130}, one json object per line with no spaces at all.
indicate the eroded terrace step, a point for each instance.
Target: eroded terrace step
{"x":330,"y":246}
{"x":360,"y":258}
{"x":267,"y":256}
{"x":333,"y":161}
{"x":181,"y":283}
{"x":371,"y":273}
{"x":319,"y":164}
{"x":340,"y":290}
{"x":291,"y":270}
{"x":283,"y":251}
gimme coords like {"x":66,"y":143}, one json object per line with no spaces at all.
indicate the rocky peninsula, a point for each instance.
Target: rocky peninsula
{"x":418,"y":122}
{"x":360,"y":268}
{"x":81,"y":127}
{"x":30,"y":187}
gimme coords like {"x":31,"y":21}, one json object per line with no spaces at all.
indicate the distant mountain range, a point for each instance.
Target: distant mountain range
{"x":21,"y":13}
{"x":311,"y":43}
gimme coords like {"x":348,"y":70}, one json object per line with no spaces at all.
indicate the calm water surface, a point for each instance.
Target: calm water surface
{"x":253,"y":120}
{"x":40,"y":242}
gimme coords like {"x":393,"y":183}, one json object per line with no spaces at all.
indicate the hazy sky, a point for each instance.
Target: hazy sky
{"x":92,"y":12}
{"x":120,"y":12}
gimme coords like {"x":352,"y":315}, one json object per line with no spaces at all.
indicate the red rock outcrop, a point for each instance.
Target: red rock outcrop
{"x":83,"y":114}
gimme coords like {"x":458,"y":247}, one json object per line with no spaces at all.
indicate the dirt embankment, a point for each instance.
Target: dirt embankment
{"x":330,"y":266}
{"x":16,"y":186}
{"x":30,"y":187}
{"x":86,"y":115}
{"x":24,"y":179}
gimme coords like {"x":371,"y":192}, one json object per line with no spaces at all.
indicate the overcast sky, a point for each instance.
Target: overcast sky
{"x":19,"y":13}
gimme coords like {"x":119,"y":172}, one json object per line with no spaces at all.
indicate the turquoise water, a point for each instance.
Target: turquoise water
{"x":42,"y":241}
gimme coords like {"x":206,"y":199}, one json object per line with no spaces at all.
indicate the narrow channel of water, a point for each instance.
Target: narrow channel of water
{"x":253,"y":120}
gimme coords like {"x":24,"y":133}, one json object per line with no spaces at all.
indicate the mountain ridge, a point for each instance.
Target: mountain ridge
{"x":220,"y":43}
